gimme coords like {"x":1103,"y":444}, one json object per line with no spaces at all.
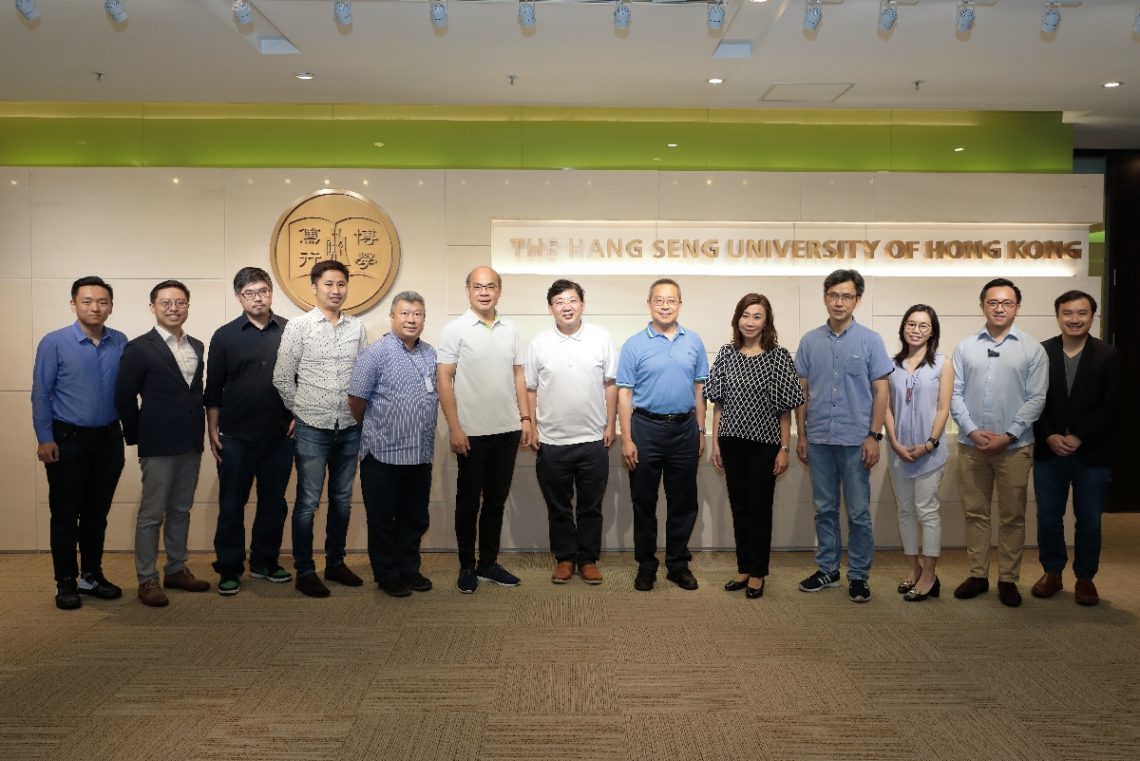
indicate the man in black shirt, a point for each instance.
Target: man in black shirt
{"x":250,"y":434}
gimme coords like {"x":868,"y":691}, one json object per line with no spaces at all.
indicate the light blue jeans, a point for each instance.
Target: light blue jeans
{"x":832,"y":467}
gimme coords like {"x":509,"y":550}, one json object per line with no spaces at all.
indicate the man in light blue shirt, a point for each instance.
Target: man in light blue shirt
{"x":843,"y":369}
{"x":1001,"y":376}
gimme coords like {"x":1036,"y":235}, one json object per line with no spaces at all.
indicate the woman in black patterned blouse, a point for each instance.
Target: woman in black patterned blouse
{"x":753,"y":387}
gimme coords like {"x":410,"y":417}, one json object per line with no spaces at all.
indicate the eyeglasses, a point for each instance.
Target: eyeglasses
{"x":846,"y":298}
{"x":565,"y":302}
{"x":666,"y":302}
{"x":921,"y":327}
{"x":261,"y":293}
{"x":1006,"y":304}
{"x":484,"y":287}
{"x":166,"y":304}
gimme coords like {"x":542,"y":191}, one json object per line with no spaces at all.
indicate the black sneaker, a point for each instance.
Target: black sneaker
{"x":96,"y":585}
{"x":496,"y":573}
{"x":67,"y":595}
{"x":683,"y":578}
{"x":276,"y":573}
{"x":468,"y":581}
{"x":644,"y":580}
{"x":858,"y":591}
{"x":395,"y":587}
{"x":819,"y":580}
{"x":417,"y":582}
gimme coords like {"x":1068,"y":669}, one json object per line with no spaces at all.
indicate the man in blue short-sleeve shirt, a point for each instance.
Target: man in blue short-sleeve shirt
{"x":660,"y":378}
{"x":843,"y":369}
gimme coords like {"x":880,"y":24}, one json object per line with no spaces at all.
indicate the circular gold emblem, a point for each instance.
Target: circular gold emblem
{"x":340,"y":225}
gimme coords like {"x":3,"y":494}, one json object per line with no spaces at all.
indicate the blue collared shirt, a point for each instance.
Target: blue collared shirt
{"x":840,"y":370}
{"x":999,"y":385}
{"x":74,"y":380}
{"x":662,"y":372}
{"x":399,"y":422}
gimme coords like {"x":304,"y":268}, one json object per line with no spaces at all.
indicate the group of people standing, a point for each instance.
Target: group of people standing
{"x":313,"y":393}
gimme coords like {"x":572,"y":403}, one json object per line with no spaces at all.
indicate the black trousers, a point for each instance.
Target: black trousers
{"x":396,"y":504}
{"x":562,"y":471}
{"x":748,"y":475}
{"x":81,"y":485}
{"x":668,"y":450}
{"x":271,"y":463}
{"x":485,"y":474}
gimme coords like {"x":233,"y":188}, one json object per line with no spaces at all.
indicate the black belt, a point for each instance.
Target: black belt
{"x":63,"y":427}
{"x":677,"y":418}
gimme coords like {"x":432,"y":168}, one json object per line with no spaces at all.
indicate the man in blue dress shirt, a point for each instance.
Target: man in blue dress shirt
{"x":660,"y":378}
{"x":843,"y":368}
{"x":80,"y":439}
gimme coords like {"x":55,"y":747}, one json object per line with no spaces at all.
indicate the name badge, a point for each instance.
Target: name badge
{"x":427,"y":385}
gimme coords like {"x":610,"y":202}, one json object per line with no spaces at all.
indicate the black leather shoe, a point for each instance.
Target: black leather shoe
{"x":683,"y":578}
{"x":755,"y":593}
{"x":1008,"y":594}
{"x":972,"y":587}
{"x":67,"y":595}
{"x":99,"y":587}
{"x":915,"y":596}
{"x":735,"y":586}
{"x":905,"y":586}
{"x":395,"y":587}
{"x":417,"y":582}
{"x":644,"y":580}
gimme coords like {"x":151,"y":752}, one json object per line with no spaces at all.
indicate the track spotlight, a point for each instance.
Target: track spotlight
{"x":1051,"y":18}
{"x":888,"y":14}
{"x":716,"y":14}
{"x":438,"y":10}
{"x":28,"y":9}
{"x":342,"y":10}
{"x":116,"y":10}
{"x":965,"y":15}
{"x":527,"y":16}
{"x":621,"y":14}
{"x":813,"y":15}
{"x":242,"y":12}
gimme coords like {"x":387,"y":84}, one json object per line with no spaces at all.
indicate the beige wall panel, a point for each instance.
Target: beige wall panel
{"x":18,"y":454}
{"x":835,"y":197}
{"x":1055,"y":198}
{"x":15,"y":222}
{"x":20,"y":342}
{"x":475,"y":197}
{"x":730,"y":196}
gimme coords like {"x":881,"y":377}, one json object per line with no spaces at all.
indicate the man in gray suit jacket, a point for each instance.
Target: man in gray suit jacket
{"x":163,"y":369}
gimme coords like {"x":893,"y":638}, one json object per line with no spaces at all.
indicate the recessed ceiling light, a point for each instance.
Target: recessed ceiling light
{"x":1112,"y":84}
{"x":288,"y":181}
{"x":379,"y":145}
{"x":13,"y":182}
{"x":303,"y":75}
{"x":716,"y":81}
{"x":365,"y":182}
{"x":328,"y":182}
{"x":671,"y":145}
{"x":959,"y":150}
{"x":175,"y":180}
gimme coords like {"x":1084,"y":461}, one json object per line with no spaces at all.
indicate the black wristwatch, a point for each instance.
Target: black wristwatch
{"x":933,"y":442}
{"x":875,"y":436}
{"x":1012,"y":438}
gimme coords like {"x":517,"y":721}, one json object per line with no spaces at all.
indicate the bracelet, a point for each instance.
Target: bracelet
{"x":524,"y":419}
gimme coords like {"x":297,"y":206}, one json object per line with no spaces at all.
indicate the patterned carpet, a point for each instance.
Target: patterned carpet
{"x":574,"y":672}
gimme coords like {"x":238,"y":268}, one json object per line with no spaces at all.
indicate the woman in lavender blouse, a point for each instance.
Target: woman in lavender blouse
{"x":916,"y":423}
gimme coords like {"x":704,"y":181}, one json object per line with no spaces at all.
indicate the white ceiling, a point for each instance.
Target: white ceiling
{"x":194,"y":51}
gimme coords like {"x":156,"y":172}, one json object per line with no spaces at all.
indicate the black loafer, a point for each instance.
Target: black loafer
{"x":683,"y":578}
{"x":735,"y":586}
{"x":395,"y":587}
{"x":644,"y":580}
{"x":755,"y":593}
{"x":417,"y":582}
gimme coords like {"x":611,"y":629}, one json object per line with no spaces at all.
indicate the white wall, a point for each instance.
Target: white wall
{"x":135,"y":227}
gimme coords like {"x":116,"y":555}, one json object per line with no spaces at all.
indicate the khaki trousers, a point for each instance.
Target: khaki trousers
{"x":978,"y":474}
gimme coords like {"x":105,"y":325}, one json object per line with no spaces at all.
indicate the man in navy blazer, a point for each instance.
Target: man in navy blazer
{"x":1074,"y":448}
{"x":163,"y":369}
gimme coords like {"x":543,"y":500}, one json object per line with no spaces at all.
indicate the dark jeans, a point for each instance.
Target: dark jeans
{"x":316,"y":449}
{"x":1051,"y":481}
{"x":751,"y":484}
{"x":270,"y":462}
{"x":561,"y":471}
{"x":81,"y":485}
{"x":669,"y":450}
{"x":396,"y":503}
{"x":484,"y":472}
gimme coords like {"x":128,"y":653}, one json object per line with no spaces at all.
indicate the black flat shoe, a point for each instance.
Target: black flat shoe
{"x":735,"y":586}
{"x":905,"y":586}
{"x":753,"y":594}
{"x":934,"y":591}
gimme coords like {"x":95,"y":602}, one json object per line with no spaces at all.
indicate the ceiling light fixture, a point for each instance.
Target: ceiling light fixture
{"x":888,"y":14}
{"x":1111,"y":85}
{"x":622,"y":14}
{"x":527,"y":17}
{"x":959,"y":150}
{"x":342,"y":11}
{"x":116,"y":10}
{"x":438,"y":9}
{"x":813,"y":15}
{"x":28,"y":9}
{"x":716,"y":14}
{"x":965,"y":15}
{"x":716,"y":81}
{"x":304,"y":75}
{"x":242,"y":12}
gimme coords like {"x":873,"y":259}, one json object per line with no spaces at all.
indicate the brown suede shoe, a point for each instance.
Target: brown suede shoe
{"x":342,"y":574}
{"x":562,"y":572}
{"x":1085,"y":592}
{"x":151,"y":594}
{"x":972,"y":587}
{"x":185,"y":581}
{"x":1048,"y":585}
{"x":590,"y":573}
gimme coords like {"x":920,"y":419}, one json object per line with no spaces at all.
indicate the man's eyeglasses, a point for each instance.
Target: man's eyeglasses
{"x":1006,"y":304}
{"x":666,"y":302}
{"x":166,"y":304}
{"x":484,"y":287}
{"x":846,"y":298}
{"x":250,"y":295}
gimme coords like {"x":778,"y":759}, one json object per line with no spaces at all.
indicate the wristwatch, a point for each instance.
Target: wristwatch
{"x":1012,"y":438}
{"x":933,"y":442}
{"x":875,"y":436}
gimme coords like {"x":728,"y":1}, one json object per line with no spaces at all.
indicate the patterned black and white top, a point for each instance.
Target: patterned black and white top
{"x":753,"y":392}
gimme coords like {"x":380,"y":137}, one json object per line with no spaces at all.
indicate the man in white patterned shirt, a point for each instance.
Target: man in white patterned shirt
{"x":314,"y":364}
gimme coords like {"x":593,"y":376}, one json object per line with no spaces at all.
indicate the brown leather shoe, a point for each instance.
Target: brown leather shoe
{"x":342,"y":574}
{"x":562,"y":572}
{"x":590,"y":573}
{"x":151,"y":594}
{"x":1085,"y":592}
{"x":972,"y":587}
{"x":1008,"y":594}
{"x":1047,"y":586}
{"x":310,"y":585}
{"x":185,"y":581}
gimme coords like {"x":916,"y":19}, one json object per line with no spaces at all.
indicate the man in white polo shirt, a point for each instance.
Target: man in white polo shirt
{"x":570,"y":372}
{"x":481,"y":392}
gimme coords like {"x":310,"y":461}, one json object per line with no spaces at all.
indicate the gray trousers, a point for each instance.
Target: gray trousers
{"x":168,"y":485}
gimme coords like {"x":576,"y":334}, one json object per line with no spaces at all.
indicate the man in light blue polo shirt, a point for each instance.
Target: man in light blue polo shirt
{"x":660,"y":379}
{"x":843,"y":369}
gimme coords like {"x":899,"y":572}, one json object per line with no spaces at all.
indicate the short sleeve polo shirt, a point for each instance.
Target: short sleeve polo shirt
{"x":662,"y":372}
